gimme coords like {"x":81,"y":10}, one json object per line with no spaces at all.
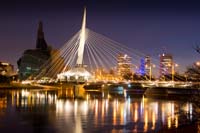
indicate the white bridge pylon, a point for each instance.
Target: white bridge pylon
{"x":82,"y":40}
{"x":78,"y":73}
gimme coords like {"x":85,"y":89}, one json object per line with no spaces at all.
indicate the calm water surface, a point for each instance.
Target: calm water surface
{"x":56,"y":111}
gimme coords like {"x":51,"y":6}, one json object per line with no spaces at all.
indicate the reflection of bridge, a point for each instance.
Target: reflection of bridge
{"x":144,"y":113}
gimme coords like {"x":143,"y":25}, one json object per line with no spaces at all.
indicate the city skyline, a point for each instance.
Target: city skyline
{"x":99,"y":65}
{"x":148,"y":28}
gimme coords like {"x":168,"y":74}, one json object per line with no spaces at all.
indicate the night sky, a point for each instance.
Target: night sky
{"x":148,"y":26}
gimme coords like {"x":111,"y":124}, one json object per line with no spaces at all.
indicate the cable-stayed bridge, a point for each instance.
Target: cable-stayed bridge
{"x":84,"y":54}
{"x":86,"y":48}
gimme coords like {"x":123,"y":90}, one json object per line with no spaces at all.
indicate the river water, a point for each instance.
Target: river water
{"x":56,"y":111}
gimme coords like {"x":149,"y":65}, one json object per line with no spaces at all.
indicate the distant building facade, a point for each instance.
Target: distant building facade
{"x":141,"y":70}
{"x":32,"y":59}
{"x":123,"y":64}
{"x":166,"y":62}
{"x":147,"y":65}
{"x":7,"y":73}
{"x":6,"y":69}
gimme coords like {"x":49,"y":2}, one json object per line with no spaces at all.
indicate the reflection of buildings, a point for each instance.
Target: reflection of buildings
{"x":148,"y":115}
{"x":26,"y":99}
{"x":166,"y":61}
{"x":147,"y":64}
{"x":3,"y":103}
{"x":123,"y":64}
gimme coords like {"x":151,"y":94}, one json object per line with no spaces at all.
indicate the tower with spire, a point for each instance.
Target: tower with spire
{"x":41,"y":43}
{"x":32,"y":59}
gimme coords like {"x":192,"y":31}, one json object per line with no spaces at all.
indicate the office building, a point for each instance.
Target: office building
{"x":123,"y":64}
{"x":166,"y":62}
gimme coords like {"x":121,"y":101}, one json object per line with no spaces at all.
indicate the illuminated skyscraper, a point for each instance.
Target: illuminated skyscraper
{"x":142,"y":67}
{"x":166,"y":62}
{"x":147,"y":65}
{"x":123,"y":64}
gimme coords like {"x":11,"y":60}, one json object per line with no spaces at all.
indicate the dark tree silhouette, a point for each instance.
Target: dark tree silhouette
{"x":197,"y":48}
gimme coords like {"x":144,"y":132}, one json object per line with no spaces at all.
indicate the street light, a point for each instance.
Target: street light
{"x":198,"y":63}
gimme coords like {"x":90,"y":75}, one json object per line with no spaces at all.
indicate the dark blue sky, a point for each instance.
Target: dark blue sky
{"x":148,"y":26}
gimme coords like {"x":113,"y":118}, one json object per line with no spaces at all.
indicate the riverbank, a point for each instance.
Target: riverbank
{"x":20,"y":86}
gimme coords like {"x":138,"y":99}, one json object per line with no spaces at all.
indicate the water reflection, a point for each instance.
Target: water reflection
{"x":94,"y":112}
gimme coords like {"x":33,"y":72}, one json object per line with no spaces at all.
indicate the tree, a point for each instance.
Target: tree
{"x":177,"y":77}
{"x":197,"y":48}
{"x":128,"y":76}
{"x":193,"y":72}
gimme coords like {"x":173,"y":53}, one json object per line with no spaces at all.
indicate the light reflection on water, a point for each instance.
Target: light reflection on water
{"x":53,"y":111}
